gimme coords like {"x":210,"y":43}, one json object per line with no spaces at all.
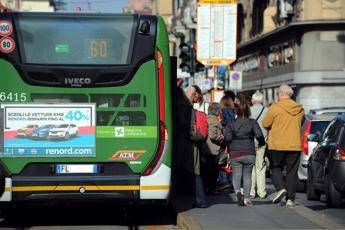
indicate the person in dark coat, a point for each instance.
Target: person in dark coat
{"x":239,"y":136}
{"x":188,"y":153}
{"x":183,"y":147}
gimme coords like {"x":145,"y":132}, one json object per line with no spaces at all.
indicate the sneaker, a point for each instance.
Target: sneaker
{"x":240,"y":199}
{"x":290,"y":203}
{"x":279,"y":196}
{"x":248,"y":202}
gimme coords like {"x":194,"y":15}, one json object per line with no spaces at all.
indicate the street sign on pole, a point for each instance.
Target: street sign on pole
{"x":217,"y":28}
{"x":235,"y":80}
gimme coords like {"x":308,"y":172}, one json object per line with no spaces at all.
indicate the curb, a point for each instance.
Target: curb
{"x":187,"y":222}
{"x":316,"y":218}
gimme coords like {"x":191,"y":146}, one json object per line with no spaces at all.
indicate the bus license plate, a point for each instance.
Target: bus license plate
{"x":74,"y":168}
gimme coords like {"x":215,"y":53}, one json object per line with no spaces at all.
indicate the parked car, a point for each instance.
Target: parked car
{"x":326,"y":166}
{"x":26,"y":131}
{"x":63,"y":131}
{"x":329,"y":110}
{"x":313,"y":124}
{"x":42,"y":132}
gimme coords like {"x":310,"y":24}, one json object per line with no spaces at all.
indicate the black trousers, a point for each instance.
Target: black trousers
{"x":290,"y":159}
{"x":209,"y":172}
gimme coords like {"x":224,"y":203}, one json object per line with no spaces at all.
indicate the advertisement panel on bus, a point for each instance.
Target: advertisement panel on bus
{"x":43,"y":130}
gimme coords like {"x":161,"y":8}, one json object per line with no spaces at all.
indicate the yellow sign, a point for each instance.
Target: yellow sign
{"x":217,"y":32}
{"x":127,"y":155}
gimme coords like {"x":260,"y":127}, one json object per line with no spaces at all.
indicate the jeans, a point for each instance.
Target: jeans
{"x":259,"y":174}
{"x":278,"y":160}
{"x":242,"y":169}
{"x":200,"y":198}
{"x":224,"y":178}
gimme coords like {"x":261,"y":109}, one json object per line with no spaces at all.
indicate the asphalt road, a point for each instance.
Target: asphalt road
{"x":222,"y":213}
{"x":89,"y":216}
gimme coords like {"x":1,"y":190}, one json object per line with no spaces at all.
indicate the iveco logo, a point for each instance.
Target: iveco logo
{"x":77,"y":81}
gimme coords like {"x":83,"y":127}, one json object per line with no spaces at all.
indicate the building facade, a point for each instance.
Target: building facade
{"x":301,"y":43}
{"x":27,"y":5}
{"x":9,"y":5}
{"x":36,"y":6}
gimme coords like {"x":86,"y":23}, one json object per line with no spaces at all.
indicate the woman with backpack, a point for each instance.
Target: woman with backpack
{"x":239,"y":136}
{"x":195,"y":96}
{"x":215,"y":147}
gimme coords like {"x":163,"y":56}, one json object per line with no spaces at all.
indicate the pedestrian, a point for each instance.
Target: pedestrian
{"x":239,"y":136}
{"x":230,"y":94}
{"x":215,"y":146}
{"x":183,"y":157}
{"x":228,"y":114}
{"x":258,"y":112}
{"x":195,"y":96}
{"x":283,"y":122}
{"x":227,"y":110}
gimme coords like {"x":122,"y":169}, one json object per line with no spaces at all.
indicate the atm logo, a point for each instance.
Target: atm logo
{"x":127,"y":155}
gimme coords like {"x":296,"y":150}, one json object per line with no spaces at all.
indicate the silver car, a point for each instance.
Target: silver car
{"x":334,"y":111}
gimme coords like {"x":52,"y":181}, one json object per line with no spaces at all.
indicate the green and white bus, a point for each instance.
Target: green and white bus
{"x":85,"y":107}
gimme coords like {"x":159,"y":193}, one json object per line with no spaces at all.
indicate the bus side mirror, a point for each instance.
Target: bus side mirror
{"x":145,"y":27}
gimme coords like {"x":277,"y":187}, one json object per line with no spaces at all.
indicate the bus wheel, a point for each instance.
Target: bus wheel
{"x":7,"y":211}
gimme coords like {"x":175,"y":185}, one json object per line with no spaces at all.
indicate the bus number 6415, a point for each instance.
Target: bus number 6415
{"x":13,"y":97}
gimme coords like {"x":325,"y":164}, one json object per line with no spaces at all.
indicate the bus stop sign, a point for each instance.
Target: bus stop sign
{"x":217,"y":25}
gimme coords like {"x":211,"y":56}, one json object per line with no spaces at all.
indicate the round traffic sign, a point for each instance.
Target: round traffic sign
{"x":6,"y":28}
{"x":236,"y":76}
{"x":7,"y":45}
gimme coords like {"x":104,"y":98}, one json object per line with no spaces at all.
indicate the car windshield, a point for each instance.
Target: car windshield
{"x":319,"y":127}
{"x":62,"y":126}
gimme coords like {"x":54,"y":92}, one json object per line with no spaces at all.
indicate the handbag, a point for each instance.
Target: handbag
{"x":266,"y":154}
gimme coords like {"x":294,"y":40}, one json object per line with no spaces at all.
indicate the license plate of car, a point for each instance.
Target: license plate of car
{"x":75,"y":168}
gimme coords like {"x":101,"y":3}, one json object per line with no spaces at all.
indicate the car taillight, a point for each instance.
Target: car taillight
{"x":339,"y":153}
{"x":305,"y":138}
{"x":163,"y":134}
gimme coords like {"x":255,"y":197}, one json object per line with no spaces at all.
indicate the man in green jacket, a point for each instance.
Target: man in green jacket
{"x":283,"y":122}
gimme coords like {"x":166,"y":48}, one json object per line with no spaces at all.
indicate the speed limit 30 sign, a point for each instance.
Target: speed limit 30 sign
{"x":6,"y":28}
{"x":7,"y":45}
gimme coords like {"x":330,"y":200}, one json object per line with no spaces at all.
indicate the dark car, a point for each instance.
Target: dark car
{"x":326,"y":166}
{"x":313,"y":124}
{"x":41,"y":132}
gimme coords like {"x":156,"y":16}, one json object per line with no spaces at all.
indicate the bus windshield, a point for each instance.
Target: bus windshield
{"x":72,"y":40}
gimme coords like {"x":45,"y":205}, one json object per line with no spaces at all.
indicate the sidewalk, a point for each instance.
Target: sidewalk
{"x":224,"y":213}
